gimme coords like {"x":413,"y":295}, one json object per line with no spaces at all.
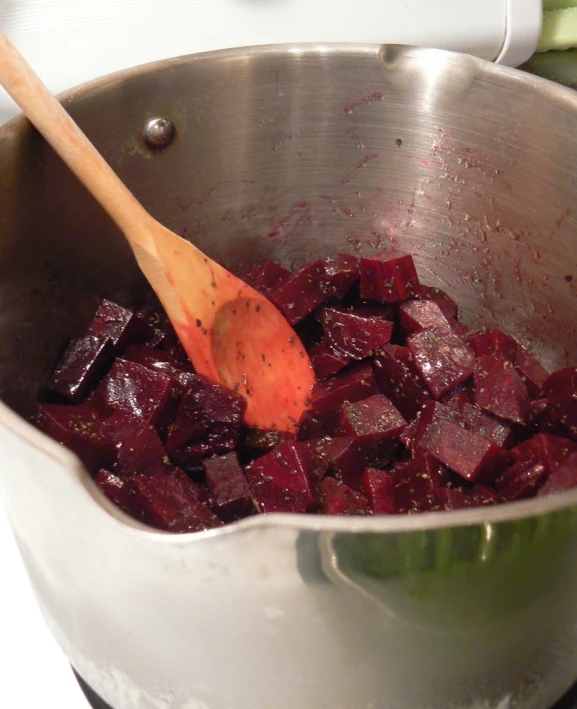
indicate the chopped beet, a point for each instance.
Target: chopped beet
{"x":229,"y":487}
{"x":533,"y":374}
{"x":487,"y":426}
{"x":459,"y":396}
{"x":389,"y":277}
{"x":416,"y":483}
{"x":255,"y":442}
{"x":352,"y":384}
{"x":113,"y":487}
{"x":562,"y":478}
{"x":121,"y":325}
{"x":494,"y":343}
{"x":375,"y":424}
{"x":445,"y":302}
{"x":339,"y":499}
{"x":137,"y":390}
{"x":356,"y":334}
{"x":311,"y":425}
{"x":397,"y":378}
{"x":326,"y":278}
{"x":160,"y":361}
{"x":417,"y":315}
{"x":542,"y":448}
{"x":326,"y":361}
{"x":561,"y":392}
{"x":171,"y":502}
{"x":265,"y":276}
{"x":343,"y":457}
{"x":79,"y":367}
{"x":473,"y":457}
{"x":521,"y":480}
{"x":138,"y":448}
{"x":79,"y":428}
{"x":207,"y":423}
{"x":442,"y":358}
{"x":379,"y":488}
{"x":280,"y":482}
{"x":500,"y":391}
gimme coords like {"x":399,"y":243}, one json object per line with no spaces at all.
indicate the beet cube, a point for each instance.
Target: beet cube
{"x":171,"y":502}
{"x":311,"y":426}
{"x":326,"y":361}
{"x":562,"y":478}
{"x":138,"y":448}
{"x":159,"y":361}
{"x":500,"y":391}
{"x":445,"y":302}
{"x":389,"y":277}
{"x":485,"y":425}
{"x":339,"y":499}
{"x":416,"y":483}
{"x":344,"y":459}
{"x":459,"y":396}
{"x":561,"y":392}
{"x":121,"y":325}
{"x":355,"y":333}
{"x":255,"y":442}
{"x":280,"y":482}
{"x":374,"y":423}
{"x":113,"y":487}
{"x":542,"y":448}
{"x":532,"y":373}
{"x":303,"y":292}
{"x":79,"y":428}
{"x":469,"y":455}
{"x":417,"y":315}
{"x":229,"y":487}
{"x":397,"y":378}
{"x":207,"y":423}
{"x":79,"y":367}
{"x":521,"y":480}
{"x":494,"y":343}
{"x":379,"y":488}
{"x":442,"y":358}
{"x":265,"y":276}
{"x":352,"y":384}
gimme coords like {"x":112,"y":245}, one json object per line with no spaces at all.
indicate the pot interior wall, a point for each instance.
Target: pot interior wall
{"x":291,"y":154}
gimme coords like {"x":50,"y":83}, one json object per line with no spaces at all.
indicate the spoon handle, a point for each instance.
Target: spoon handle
{"x":64,"y":135}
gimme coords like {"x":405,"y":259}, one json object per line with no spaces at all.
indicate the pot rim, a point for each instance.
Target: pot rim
{"x":419,"y":522}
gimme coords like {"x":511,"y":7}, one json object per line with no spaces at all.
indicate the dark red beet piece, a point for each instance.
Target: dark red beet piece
{"x":416,"y":483}
{"x":255,"y":442}
{"x":521,"y":480}
{"x":280,"y":482}
{"x":562,"y":478}
{"x":473,"y":457}
{"x":159,"y":361}
{"x":326,"y":278}
{"x":417,"y":315}
{"x":533,"y":374}
{"x":171,"y":502}
{"x":326,"y":361}
{"x":312,"y":426}
{"x":442,"y":359}
{"x":379,"y":488}
{"x":339,"y":499}
{"x":132,"y":388}
{"x":344,"y":459}
{"x":397,"y":378}
{"x":138,"y":448}
{"x":113,"y":322}
{"x":79,"y":428}
{"x":355,"y":333}
{"x":485,"y":425}
{"x":265,"y":276}
{"x":443,"y":300}
{"x":500,"y":391}
{"x":113,"y":487}
{"x":207,"y":423}
{"x":494,"y":343}
{"x":79,"y":367}
{"x":459,"y":396}
{"x":352,"y":384}
{"x":229,"y":487}
{"x":542,"y":448}
{"x":389,"y":277}
{"x":375,"y":423}
{"x":561,"y":392}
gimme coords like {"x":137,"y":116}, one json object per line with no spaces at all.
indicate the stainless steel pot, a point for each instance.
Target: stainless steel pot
{"x":290,"y":153}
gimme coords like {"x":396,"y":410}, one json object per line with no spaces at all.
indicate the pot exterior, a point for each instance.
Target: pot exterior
{"x":289,"y":153}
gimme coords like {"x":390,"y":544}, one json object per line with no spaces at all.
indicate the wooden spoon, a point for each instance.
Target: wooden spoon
{"x":231,"y":333}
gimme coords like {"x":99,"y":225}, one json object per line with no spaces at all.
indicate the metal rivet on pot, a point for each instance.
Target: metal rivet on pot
{"x":159,"y":133}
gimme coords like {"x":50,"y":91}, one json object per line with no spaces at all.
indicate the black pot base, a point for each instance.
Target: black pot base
{"x":569,"y":701}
